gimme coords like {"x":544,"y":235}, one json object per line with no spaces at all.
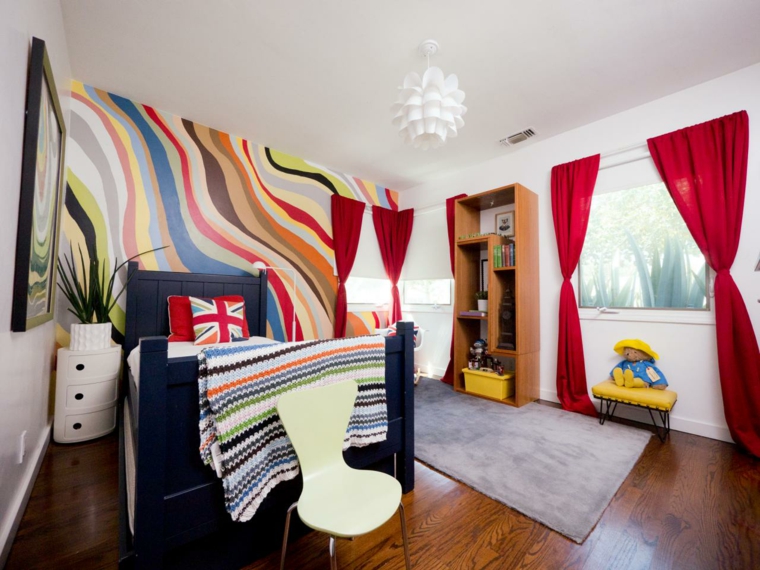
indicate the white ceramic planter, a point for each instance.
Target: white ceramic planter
{"x":96,"y":336}
{"x":483,"y":305}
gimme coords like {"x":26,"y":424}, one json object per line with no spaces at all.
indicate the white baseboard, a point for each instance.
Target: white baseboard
{"x":18,"y":504}
{"x":549,"y":396}
{"x":677,"y":423}
{"x":437,"y":371}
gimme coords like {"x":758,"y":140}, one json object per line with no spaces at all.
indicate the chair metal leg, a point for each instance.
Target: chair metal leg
{"x":333,"y":555}
{"x":404,"y":536}
{"x":285,"y":535}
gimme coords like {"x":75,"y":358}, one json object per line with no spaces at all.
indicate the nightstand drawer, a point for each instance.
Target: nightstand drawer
{"x":84,"y":366}
{"x":87,"y":395}
{"x":85,"y":426}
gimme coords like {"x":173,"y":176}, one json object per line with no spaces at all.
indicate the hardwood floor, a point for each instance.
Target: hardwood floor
{"x":71,"y":520}
{"x":690,"y":503}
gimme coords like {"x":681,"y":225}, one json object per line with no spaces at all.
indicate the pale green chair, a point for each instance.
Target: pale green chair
{"x":336,"y":499}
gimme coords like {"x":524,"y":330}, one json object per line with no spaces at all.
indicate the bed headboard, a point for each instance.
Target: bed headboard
{"x":147,"y":305}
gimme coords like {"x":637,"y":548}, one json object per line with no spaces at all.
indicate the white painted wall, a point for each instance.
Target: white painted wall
{"x":26,"y":357}
{"x":687,"y":350}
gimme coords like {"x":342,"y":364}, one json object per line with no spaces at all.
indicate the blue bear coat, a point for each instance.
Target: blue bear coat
{"x":639,"y":370}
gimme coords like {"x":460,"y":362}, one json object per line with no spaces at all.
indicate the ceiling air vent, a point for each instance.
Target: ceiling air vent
{"x":518,"y":137}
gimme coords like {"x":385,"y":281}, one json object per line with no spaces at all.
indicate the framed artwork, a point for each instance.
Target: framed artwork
{"x":40,"y":200}
{"x":483,"y":275}
{"x":505,"y":224}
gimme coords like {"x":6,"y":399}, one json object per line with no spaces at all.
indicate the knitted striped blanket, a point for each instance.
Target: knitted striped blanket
{"x":239,"y":388}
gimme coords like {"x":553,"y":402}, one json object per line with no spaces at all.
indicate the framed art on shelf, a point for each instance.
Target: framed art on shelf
{"x":40,"y":199}
{"x":505,"y":224}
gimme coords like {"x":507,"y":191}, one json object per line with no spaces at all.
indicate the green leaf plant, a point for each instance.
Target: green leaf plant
{"x":655,"y":281}
{"x":91,"y":293}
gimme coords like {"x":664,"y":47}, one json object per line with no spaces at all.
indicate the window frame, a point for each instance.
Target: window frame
{"x":682,"y":315}
{"x":402,"y":293}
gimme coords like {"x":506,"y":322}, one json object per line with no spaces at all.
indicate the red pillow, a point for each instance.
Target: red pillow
{"x":181,"y":317}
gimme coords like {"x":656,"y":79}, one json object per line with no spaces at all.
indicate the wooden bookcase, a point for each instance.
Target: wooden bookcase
{"x":522,"y":280}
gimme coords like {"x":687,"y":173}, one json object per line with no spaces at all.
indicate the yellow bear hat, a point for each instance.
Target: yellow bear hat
{"x":638,"y":345}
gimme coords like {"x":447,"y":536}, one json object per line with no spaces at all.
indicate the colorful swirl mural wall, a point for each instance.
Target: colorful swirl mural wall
{"x":139,"y":178}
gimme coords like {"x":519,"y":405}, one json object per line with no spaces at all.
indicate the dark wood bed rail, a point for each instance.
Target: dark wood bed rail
{"x":180,"y":520}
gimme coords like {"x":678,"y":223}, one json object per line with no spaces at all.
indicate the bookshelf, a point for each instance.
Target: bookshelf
{"x":513,"y":289}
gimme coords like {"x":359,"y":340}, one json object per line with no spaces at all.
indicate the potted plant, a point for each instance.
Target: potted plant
{"x":482,"y":297}
{"x":92,"y":297}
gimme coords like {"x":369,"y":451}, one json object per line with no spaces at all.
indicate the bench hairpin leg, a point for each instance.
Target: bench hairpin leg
{"x":662,"y":432}
{"x":665,"y":417}
{"x":608,"y":412}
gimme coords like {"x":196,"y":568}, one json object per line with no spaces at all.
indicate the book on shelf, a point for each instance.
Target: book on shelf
{"x":508,"y":255}
{"x":473,"y":313}
{"x":504,"y":255}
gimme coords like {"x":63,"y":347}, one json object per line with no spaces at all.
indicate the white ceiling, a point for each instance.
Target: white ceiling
{"x":316,"y":79}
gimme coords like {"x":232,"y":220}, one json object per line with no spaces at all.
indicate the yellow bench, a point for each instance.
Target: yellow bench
{"x":660,"y":401}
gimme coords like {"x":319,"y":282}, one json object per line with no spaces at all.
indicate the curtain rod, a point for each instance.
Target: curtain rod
{"x":624,"y":149}
{"x":642,"y":145}
{"x":626,"y":161}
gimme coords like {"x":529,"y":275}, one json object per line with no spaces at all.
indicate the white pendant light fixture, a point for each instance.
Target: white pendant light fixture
{"x":429,"y":109}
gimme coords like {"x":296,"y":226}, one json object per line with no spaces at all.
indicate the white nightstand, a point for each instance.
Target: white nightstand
{"x":85,"y":393}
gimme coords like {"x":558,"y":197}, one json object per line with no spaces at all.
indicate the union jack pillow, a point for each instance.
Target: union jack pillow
{"x":216,"y":321}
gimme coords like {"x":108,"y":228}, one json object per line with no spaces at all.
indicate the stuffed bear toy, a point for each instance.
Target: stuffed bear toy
{"x":638,"y":369}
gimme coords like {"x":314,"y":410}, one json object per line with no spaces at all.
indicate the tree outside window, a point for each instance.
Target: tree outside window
{"x":638,"y":253}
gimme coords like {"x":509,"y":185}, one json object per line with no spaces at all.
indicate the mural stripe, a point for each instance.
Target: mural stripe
{"x":142,"y":178}
{"x":321,"y":178}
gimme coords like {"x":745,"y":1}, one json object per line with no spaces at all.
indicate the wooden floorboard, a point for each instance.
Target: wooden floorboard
{"x":71,"y":520}
{"x":689,"y":503}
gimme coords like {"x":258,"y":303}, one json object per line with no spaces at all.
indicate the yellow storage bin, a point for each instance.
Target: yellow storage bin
{"x":489,"y":384}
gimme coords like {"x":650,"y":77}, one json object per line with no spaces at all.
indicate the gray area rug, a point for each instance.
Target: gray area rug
{"x":558,"y":468}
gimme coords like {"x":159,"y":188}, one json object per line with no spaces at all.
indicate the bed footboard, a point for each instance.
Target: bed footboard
{"x":179,"y":515}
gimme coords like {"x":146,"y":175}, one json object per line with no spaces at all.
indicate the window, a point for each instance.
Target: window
{"x":426,"y":291}
{"x":638,"y":253}
{"x":368,"y":291}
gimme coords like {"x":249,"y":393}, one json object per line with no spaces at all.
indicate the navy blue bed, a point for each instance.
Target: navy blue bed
{"x":179,"y":519}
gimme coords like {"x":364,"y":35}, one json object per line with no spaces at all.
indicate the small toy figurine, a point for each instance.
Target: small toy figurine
{"x":479,"y":351}
{"x":638,"y":369}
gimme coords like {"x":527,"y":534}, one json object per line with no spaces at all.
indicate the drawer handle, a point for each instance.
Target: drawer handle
{"x":78,"y":396}
{"x":80,"y":366}
{"x":77,"y":425}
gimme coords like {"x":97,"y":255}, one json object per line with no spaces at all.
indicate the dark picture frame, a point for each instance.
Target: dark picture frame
{"x":504,"y":224}
{"x":34,"y":281}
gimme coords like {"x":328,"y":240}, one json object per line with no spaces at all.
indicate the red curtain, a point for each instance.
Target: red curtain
{"x":705,"y":170}
{"x":393,"y":231}
{"x":347,"y":226}
{"x":572,"y":188}
{"x":448,"y":376}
